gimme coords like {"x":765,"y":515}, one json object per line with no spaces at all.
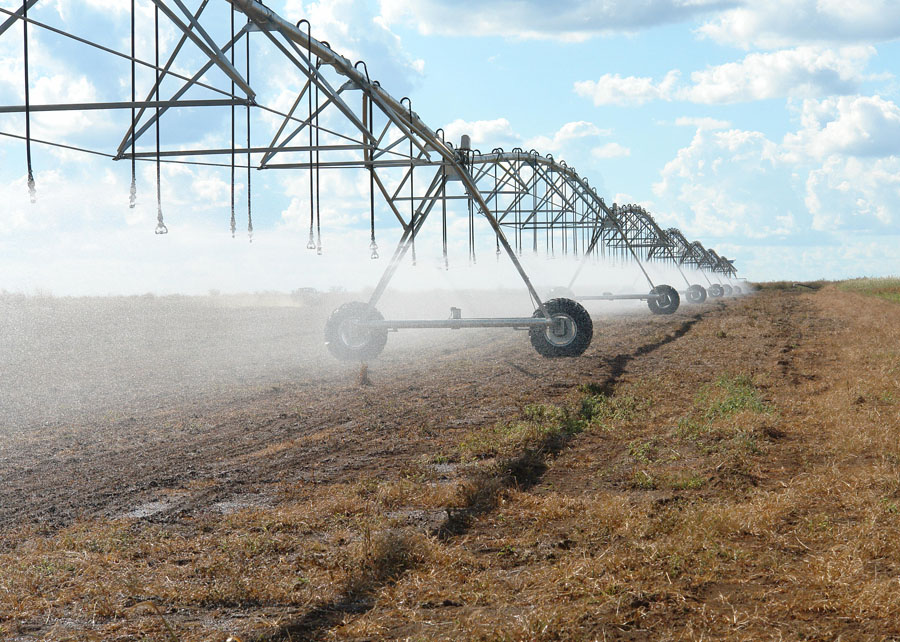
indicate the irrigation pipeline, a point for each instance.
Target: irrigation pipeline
{"x":543,"y":204}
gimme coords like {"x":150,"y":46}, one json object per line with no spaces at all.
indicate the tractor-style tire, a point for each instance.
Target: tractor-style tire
{"x":666,"y":300}
{"x":346,"y":340}
{"x":737,"y":290}
{"x":715,"y":290}
{"x":571,"y":333}
{"x":728,"y":290}
{"x":696,"y":294}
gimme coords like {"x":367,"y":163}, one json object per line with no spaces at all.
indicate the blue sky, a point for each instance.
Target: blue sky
{"x":769,"y":130}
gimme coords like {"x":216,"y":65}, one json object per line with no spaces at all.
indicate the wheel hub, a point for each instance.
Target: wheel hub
{"x":352,"y":334}
{"x":562,"y":331}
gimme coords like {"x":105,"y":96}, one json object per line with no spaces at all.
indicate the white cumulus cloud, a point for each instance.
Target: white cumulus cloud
{"x":613,"y":89}
{"x":852,"y":125}
{"x":728,"y":183}
{"x":845,"y":190}
{"x":539,"y":19}
{"x":566,"y":134}
{"x":611,"y":150}
{"x":771,"y":24}
{"x":801,"y":72}
{"x":356,"y":31}
{"x":498,"y":132}
{"x":838,"y":173}
{"x":485,"y":133}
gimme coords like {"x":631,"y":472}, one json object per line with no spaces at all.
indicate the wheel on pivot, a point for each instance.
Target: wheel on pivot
{"x":560,"y":292}
{"x":696,"y":294}
{"x":347,"y":339}
{"x":665,"y":301}
{"x":728,"y":290}
{"x":737,"y":290}
{"x":570,"y":333}
{"x":715,"y":290}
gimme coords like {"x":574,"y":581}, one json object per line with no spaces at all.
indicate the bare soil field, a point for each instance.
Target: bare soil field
{"x":731,"y":471}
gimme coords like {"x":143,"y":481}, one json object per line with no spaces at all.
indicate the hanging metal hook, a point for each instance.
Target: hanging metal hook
{"x":32,"y":193}
{"x":365,"y":69}
{"x":311,"y":243}
{"x":409,"y":108}
{"x":412,"y":210}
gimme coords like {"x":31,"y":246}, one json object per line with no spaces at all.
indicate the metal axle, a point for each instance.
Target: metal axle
{"x":619,"y":297}
{"x":458,"y":324}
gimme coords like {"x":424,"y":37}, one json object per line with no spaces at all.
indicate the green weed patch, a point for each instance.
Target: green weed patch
{"x":884,"y":288}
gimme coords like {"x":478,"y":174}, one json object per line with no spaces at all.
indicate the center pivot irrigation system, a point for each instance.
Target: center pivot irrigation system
{"x":342,"y":119}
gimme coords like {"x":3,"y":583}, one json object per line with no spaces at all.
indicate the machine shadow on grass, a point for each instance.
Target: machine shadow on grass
{"x":621,"y":361}
{"x":386,"y":557}
{"x":524,"y":470}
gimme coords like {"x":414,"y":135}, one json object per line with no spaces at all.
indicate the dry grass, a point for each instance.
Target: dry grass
{"x":741,"y":482}
{"x":792,"y":285}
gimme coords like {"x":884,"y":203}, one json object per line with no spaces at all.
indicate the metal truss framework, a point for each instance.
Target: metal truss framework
{"x":342,"y":119}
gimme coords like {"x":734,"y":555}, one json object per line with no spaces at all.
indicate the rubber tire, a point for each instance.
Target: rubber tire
{"x":696,"y":294}
{"x":715,"y":290}
{"x":666,"y":305}
{"x":367,"y":344}
{"x":737,"y":290}
{"x":728,"y":290}
{"x":577,"y":316}
{"x":560,"y":292}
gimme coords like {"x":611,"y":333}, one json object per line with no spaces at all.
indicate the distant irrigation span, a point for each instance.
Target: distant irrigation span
{"x":341,"y":119}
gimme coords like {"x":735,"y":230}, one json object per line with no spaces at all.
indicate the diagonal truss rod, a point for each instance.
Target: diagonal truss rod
{"x":401,"y":116}
{"x":15,"y":16}
{"x":131,"y":136}
{"x":206,"y":45}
